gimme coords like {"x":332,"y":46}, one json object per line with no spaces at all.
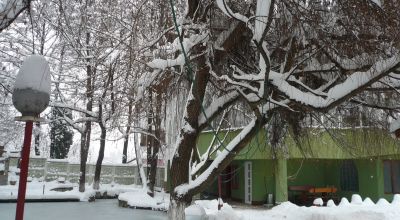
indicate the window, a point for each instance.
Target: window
{"x":349,"y":176}
{"x":235,"y":177}
{"x":391,"y":174}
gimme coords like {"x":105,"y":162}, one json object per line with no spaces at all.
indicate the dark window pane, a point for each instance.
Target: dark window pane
{"x":387,"y":173}
{"x":349,"y":176}
{"x":396,"y":176}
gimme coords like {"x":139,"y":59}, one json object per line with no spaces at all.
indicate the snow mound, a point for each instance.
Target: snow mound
{"x":382,"y":202}
{"x":368,"y":201}
{"x":140,"y":198}
{"x":211,"y":209}
{"x":195,"y":212}
{"x":318,"y":202}
{"x":356,"y":199}
{"x":330,"y":203}
{"x":344,"y":202}
{"x":356,"y":210}
{"x":396,"y":199}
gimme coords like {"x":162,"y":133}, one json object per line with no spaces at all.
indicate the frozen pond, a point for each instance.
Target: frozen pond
{"x":99,"y":210}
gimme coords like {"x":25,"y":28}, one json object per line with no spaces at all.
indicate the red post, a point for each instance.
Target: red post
{"x":219,"y":192}
{"x":23,"y":175}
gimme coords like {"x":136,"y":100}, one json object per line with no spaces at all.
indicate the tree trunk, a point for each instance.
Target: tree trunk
{"x":155,"y":145}
{"x":150,"y":146}
{"x":138,"y":154}
{"x":88,"y":124}
{"x":82,"y":168}
{"x":188,"y":136}
{"x":97,"y":172}
{"x":176,"y":210}
{"x":37,"y":139}
{"x":128,"y":130}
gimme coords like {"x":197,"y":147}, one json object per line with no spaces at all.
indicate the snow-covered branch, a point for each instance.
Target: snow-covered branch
{"x":219,"y":163}
{"x":338,"y":93}
{"x":217,"y":106}
{"x":9,"y":11}
{"x":73,"y":108}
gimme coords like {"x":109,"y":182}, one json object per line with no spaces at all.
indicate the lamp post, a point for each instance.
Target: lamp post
{"x":31,"y":96}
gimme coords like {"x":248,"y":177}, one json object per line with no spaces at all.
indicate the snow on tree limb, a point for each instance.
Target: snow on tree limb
{"x":338,"y":93}
{"x":217,"y":106}
{"x":228,"y":11}
{"x":9,"y":11}
{"x":74,"y":108}
{"x":377,"y":2}
{"x":261,"y":19}
{"x":227,"y":153}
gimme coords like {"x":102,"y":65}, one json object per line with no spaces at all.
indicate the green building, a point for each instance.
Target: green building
{"x":354,"y":161}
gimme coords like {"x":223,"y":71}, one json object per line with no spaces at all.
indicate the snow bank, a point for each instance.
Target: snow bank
{"x":44,"y":190}
{"x":211,"y":209}
{"x":140,"y":199}
{"x":357,"y":209}
{"x":195,"y":212}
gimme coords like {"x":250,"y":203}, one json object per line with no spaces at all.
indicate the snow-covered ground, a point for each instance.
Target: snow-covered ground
{"x":356,"y":209}
{"x":350,"y":211}
{"x":99,"y":210}
{"x":43,"y":190}
{"x":135,"y":196}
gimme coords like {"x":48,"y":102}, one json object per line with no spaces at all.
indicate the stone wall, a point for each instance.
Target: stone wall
{"x":3,"y":171}
{"x":52,"y":169}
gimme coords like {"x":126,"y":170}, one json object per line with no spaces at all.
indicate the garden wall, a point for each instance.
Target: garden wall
{"x":52,"y":169}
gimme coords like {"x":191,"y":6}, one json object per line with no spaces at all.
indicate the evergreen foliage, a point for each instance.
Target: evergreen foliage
{"x":60,"y":133}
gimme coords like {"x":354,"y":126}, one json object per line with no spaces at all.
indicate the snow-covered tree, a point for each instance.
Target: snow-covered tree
{"x":280,"y":57}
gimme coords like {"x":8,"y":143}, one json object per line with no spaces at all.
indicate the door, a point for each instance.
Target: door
{"x":248,"y":182}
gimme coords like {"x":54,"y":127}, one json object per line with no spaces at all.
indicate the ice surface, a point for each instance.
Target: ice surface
{"x":99,"y":210}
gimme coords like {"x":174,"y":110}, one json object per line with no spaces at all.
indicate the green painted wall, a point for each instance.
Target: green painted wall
{"x":321,"y":166}
{"x":306,"y":172}
{"x":263,"y":180}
